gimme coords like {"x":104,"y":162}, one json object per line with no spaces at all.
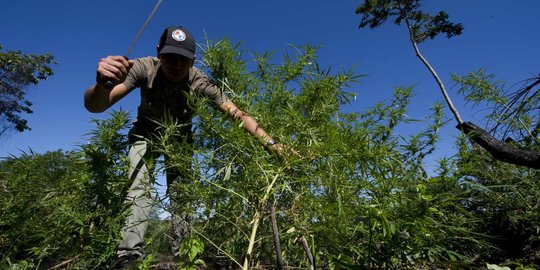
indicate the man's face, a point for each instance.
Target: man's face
{"x":175,"y":66}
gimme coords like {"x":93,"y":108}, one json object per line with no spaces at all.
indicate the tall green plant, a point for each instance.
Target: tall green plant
{"x":357,"y":192}
{"x":503,"y":196}
{"x":513,"y":115}
{"x":64,"y":209}
{"x":39,"y":213}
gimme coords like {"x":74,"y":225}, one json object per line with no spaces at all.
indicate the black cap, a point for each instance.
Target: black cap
{"x":178,"y":40}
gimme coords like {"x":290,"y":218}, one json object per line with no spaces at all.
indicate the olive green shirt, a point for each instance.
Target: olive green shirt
{"x":161,"y":98}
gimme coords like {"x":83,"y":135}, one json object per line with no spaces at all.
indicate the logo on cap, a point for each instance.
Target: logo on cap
{"x":178,"y":35}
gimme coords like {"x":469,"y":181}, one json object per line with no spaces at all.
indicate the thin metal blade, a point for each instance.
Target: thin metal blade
{"x":142,"y":28}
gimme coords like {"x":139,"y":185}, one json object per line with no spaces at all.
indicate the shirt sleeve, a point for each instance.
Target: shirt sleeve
{"x":202,"y":86}
{"x":135,"y":75}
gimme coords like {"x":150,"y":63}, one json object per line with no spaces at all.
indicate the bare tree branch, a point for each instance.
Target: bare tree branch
{"x":500,"y":150}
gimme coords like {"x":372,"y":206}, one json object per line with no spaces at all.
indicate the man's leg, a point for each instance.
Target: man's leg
{"x":180,"y":202}
{"x":139,"y":197}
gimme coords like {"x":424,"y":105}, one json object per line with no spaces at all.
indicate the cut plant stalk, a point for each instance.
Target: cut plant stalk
{"x":275,"y":231}
{"x":305,"y":245}
{"x":256,"y":221}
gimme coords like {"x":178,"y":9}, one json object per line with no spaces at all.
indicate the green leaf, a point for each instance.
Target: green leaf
{"x":496,"y":267}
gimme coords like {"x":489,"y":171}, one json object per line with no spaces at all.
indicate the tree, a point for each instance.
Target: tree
{"x":17,"y":72}
{"x":423,"y":26}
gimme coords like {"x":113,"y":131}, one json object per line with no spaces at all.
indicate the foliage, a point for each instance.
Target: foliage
{"x":512,"y":114}
{"x":53,"y":208}
{"x":35,"y":209}
{"x":501,"y":196}
{"x":357,"y":189}
{"x":505,"y":198}
{"x":421,"y":24}
{"x":17,"y":72}
{"x":508,"y":200}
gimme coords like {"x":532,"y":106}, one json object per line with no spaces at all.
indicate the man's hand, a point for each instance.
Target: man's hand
{"x":113,"y":68}
{"x":276,"y":148}
{"x":279,"y":149}
{"x":99,"y":97}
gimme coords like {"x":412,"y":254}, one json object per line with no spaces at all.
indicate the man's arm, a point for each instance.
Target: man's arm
{"x":250,"y":125}
{"x":97,"y":98}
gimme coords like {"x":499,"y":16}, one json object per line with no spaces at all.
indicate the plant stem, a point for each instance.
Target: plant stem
{"x":275,"y":230}
{"x":64,"y":263}
{"x":216,"y":246}
{"x":305,"y":245}
{"x":256,"y":220}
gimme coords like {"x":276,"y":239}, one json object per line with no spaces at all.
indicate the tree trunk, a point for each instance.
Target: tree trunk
{"x":434,"y":74}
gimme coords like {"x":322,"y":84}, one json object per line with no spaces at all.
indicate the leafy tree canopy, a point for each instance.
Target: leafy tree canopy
{"x":422,"y":25}
{"x":17,"y":72}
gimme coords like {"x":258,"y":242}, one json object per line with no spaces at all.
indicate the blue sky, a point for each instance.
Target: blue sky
{"x":500,"y":36}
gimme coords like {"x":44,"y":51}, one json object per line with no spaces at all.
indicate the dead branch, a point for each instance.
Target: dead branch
{"x":500,"y":150}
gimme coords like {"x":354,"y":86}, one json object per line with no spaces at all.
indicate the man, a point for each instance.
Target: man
{"x":167,"y":82}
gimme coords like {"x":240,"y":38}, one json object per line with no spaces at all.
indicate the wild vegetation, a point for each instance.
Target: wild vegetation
{"x":359,"y":195}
